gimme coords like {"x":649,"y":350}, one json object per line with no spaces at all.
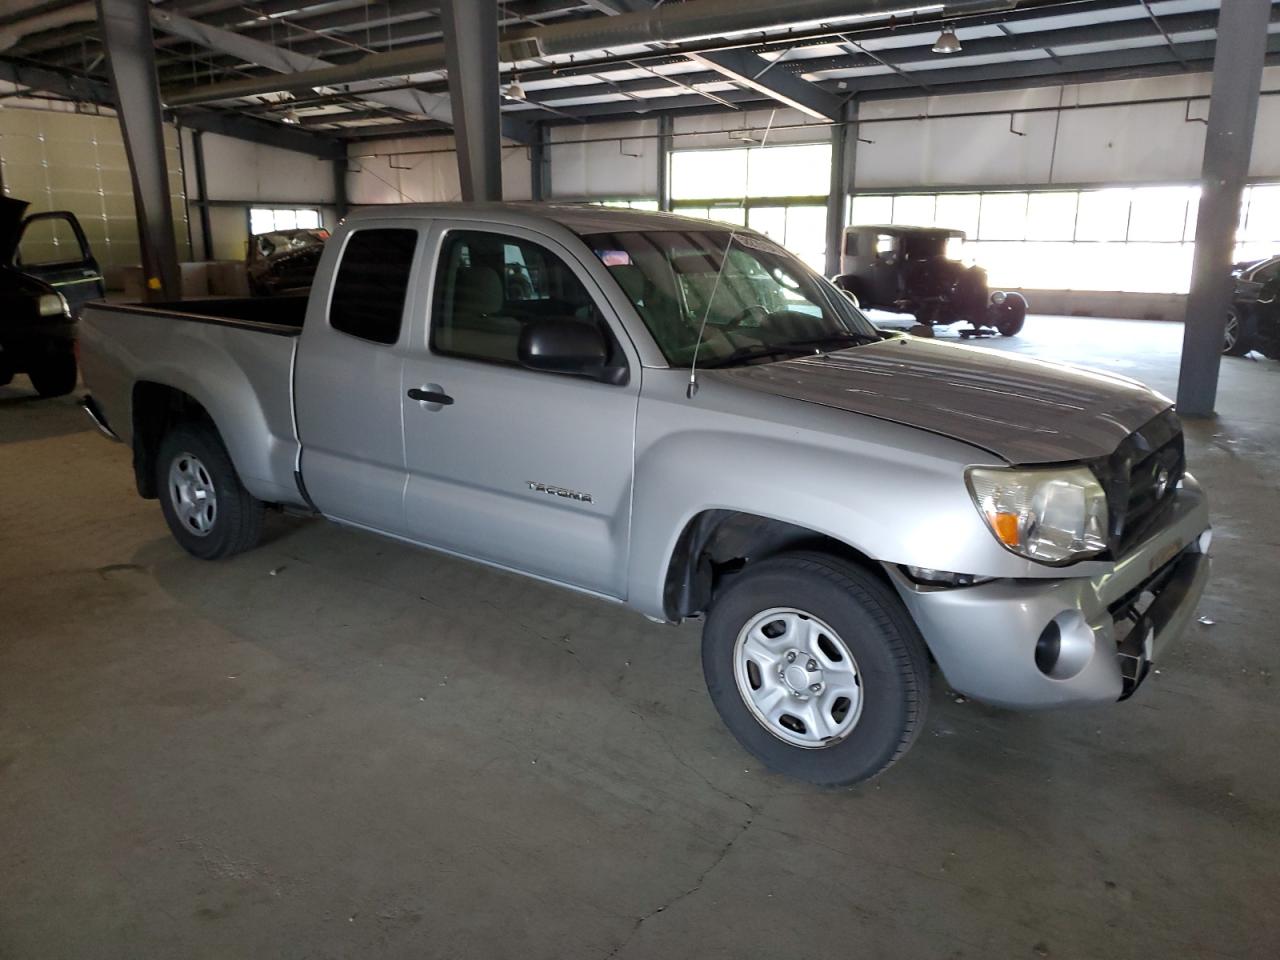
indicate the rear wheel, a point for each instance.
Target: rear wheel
{"x":1010,"y":315}
{"x":54,"y":373}
{"x":208,"y":510}
{"x":816,"y":668}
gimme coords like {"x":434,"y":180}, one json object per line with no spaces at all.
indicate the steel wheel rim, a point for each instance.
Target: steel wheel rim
{"x":191,"y":491}
{"x":1231,"y":332}
{"x":798,"y":678}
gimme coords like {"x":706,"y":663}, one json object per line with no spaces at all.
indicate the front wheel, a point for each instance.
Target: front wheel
{"x":816,"y":668}
{"x":208,"y":510}
{"x":54,"y":374}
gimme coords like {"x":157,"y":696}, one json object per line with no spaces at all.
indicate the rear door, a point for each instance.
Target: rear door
{"x":53,"y":248}
{"x":347,"y":384}
{"x":527,"y":469}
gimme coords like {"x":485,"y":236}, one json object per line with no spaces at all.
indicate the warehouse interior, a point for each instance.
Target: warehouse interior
{"x":341,"y":745}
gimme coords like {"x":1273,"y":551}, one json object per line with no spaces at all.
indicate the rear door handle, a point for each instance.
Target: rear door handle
{"x":430,"y":395}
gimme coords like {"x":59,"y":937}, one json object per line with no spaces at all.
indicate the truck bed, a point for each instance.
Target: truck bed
{"x":233,"y":357}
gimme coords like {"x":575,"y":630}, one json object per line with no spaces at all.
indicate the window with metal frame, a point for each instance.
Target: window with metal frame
{"x":272,"y":219}
{"x":1128,"y":239}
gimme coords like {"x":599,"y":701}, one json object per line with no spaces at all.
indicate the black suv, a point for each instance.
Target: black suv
{"x":1253,"y":319}
{"x":907,"y":270}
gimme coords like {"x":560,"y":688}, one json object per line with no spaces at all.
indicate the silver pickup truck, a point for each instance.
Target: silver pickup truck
{"x":681,"y":417}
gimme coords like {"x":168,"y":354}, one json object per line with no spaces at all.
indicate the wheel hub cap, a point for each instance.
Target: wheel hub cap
{"x":192,"y":494}
{"x":798,"y":678}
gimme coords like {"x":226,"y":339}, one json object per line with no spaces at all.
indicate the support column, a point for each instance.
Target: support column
{"x":665,"y":138}
{"x":471,"y":53}
{"x":340,"y":200}
{"x":540,"y":163}
{"x":202,"y":193}
{"x":126,"y":34}
{"x":1233,"y":109}
{"x":844,"y":151}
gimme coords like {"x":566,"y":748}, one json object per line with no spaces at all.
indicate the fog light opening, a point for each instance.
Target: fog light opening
{"x":1065,"y":646}
{"x":1049,"y":648}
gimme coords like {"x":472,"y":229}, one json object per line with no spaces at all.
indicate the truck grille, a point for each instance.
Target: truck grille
{"x":1140,"y":479}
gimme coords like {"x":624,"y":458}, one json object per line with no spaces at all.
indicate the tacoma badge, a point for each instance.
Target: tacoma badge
{"x":559,"y":491}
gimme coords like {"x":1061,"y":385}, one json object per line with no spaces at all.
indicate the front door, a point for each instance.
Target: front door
{"x":347,"y":385}
{"x":526,"y":469}
{"x":53,"y":248}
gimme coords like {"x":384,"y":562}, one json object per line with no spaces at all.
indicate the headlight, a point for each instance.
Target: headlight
{"x":999,"y":297}
{"x":1051,"y":515}
{"x":53,"y":304}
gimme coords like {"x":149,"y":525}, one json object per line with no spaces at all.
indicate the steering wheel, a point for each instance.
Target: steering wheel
{"x":741,"y":318}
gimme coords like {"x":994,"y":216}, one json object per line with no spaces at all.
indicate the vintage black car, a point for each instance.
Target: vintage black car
{"x":43,"y":284}
{"x":907,"y":270}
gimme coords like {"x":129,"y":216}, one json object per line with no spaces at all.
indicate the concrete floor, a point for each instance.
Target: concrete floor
{"x":336,"y":746}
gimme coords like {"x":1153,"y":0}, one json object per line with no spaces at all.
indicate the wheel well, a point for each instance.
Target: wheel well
{"x":716,"y":545}
{"x":157,"y":408}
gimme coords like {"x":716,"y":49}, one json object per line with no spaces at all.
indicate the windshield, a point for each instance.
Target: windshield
{"x":764,"y":305}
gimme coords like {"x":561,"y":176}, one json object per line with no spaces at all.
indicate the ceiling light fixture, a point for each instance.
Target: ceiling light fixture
{"x":291,"y":117}
{"x":514,"y":91}
{"x":947,"y":41}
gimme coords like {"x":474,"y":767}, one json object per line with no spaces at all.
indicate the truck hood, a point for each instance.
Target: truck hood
{"x":1023,"y":410}
{"x":11,"y":212}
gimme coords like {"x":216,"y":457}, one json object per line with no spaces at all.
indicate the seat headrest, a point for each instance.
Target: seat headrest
{"x":478,"y":291}
{"x":632,"y":280}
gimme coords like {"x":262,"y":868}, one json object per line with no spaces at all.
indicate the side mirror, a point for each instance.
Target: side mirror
{"x":566,"y":345}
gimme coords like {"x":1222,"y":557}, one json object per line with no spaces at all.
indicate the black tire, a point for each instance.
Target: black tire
{"x":890,"y":656}
{"x":1010,"y":315}
{"x":54,"y":374}
{"x":236,"y":518}
{"x":1237,"y":337}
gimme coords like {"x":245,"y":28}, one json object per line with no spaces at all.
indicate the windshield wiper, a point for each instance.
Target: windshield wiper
{"x":760,"y":351}
{"x":836,"y":339}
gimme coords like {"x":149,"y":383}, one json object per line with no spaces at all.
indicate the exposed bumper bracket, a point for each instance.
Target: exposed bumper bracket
{"x":99,"y":419}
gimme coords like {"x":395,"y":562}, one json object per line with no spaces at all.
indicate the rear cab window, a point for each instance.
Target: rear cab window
{"x":372,"y":282}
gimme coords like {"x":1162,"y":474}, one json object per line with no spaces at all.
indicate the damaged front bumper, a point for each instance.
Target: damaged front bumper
{"x":1045,"y":643}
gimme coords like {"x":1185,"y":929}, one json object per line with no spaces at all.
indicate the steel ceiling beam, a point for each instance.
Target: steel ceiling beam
{"x":61,"y":83}
{"x":773,"y":80}
{"x":235,"y":124}
{"x":1131,"y":29}
{"x":1148,"y":61}
{"x":280,"y":60}
{"x":670,"y":22}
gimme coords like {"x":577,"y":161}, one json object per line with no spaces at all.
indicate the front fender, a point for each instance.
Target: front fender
{"x":895,"y":494}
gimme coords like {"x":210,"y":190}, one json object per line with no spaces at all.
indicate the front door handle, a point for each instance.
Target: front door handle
{"x":430,"y":394}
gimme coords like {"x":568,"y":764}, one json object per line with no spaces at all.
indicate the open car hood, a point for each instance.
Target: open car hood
{"x":1023,"y":410}
{"x":11,"y":212}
